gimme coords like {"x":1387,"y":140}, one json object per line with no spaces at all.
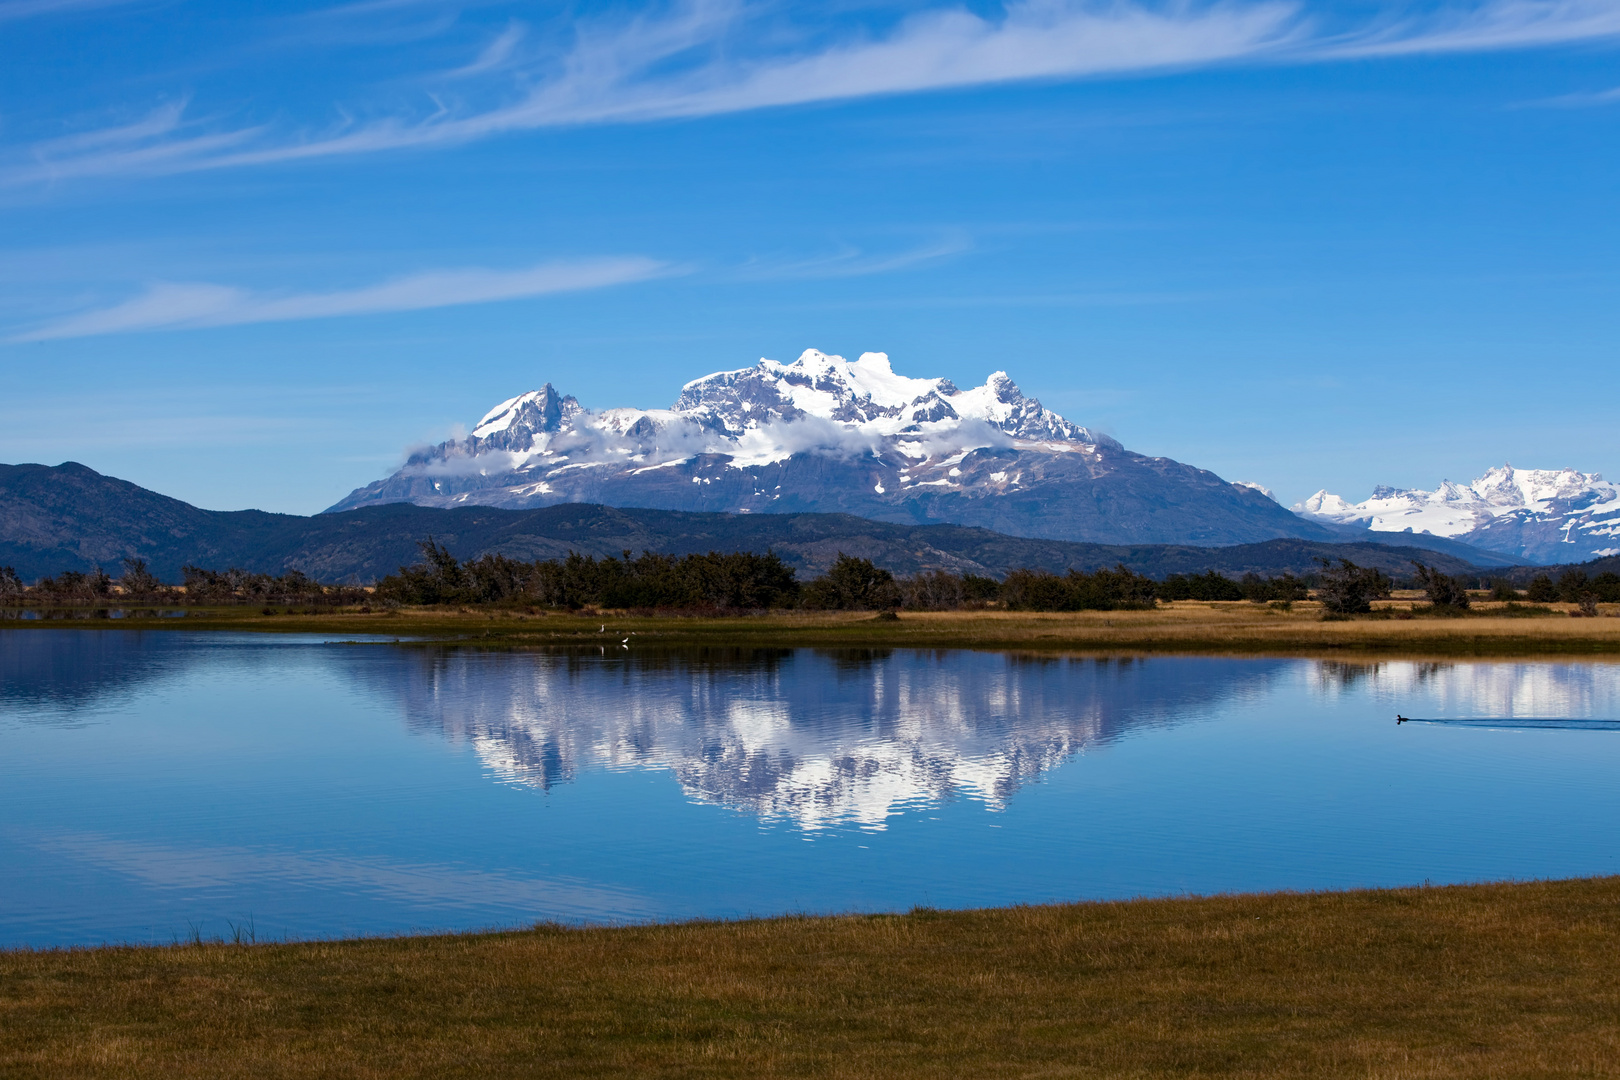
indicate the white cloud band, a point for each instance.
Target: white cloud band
{"x":703,"y":59}
{"x":171,"y":305}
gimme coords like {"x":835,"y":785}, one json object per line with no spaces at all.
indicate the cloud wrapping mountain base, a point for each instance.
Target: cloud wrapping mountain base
{"x":1533,"y":515}
{"x":828,"y":435}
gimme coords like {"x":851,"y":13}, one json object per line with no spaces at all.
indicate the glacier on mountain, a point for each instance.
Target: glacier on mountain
{"x":1540,"y":515}
{"x":828,"y":434}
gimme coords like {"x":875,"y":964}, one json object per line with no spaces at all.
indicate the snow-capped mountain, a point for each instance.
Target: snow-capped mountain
{"x":1538,"y":515}
{"x":827,"y":434}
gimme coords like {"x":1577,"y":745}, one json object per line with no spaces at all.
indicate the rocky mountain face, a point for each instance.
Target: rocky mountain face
{"x":824,"y":434}
{"x":1532,"y":515}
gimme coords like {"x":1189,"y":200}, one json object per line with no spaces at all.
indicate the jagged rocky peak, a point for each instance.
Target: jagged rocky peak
{"x":828,"y":387}
{"x":1002,"y":404}
{"x":867,"y":393}
{"x":513,"y":424}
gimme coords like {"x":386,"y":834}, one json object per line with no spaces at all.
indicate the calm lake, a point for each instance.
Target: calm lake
{"x":160,"y":784}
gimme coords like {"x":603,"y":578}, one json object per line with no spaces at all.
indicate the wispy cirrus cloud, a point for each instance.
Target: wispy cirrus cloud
{"x":190,"y":305}
{"x":160,"y":141}
{"x":1502,"y":24}
{"x":498,"y":54}
{"x":712,"y":57}
{"x":692,"y":61}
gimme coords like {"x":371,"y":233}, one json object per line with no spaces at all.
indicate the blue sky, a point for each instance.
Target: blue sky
{"x":248,"y":258}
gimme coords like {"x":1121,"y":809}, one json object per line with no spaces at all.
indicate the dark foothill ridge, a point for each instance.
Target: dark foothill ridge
{"x":70,"y":517}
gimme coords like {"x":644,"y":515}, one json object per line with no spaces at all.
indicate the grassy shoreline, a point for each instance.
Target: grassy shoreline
{"x":1184,"y":626}
{"x":1464,"y":981}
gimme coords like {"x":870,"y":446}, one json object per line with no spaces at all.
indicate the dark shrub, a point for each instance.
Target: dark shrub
{"x":1348,"y":589}
{"x":980,"y":590}
{"x":1572,"y":585}
{"x":494,"y":578}
{"x":240,"y":586}
{"x":739,"y":581}
{"x":138,"y":581}
{"x":853,"y":585}
{"x":1037,"y":590}
{"x":1206,"y":586}
{"x":1287,"y":588}
{"x":1606,"y":587}
{"x":1443,"y":590}
{"x":933,"y":590}
{"x":1541,"y":590}
{"x":71,"y":585}
{"x":1502,"y":589}
{"x":1100,"y":590}
{"x":438,"y":580}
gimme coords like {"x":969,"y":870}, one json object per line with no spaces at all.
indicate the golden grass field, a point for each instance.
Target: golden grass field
{"x":1400,"y":626}
{"x":1512,"y":980}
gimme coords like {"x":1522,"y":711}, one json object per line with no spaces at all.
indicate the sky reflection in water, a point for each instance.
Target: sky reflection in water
{"x":152,"y":783}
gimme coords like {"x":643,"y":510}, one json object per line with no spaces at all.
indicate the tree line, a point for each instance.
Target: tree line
{"x":198,"y":585}
{"x":1572,"y":587}
{"x":748,"y":581}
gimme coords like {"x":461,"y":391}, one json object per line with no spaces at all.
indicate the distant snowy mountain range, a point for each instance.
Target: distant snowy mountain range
{"x":827,"y":434}
{"x":1536,"y":515}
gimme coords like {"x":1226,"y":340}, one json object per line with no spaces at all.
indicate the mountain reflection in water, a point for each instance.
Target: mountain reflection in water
{"x":1467,"y":690}
{"x":812,"y":737}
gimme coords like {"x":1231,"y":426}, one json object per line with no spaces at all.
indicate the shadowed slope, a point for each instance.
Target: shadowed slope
{"x":71,"y":517}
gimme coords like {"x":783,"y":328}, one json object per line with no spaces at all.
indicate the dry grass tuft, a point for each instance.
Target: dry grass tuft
{"x":1481,"y":981}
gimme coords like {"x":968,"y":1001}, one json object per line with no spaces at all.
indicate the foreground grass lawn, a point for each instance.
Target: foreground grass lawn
{"x":1514,"y":980}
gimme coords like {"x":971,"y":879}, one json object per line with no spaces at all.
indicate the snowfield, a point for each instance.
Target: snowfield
{"x":1540,"y":515}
